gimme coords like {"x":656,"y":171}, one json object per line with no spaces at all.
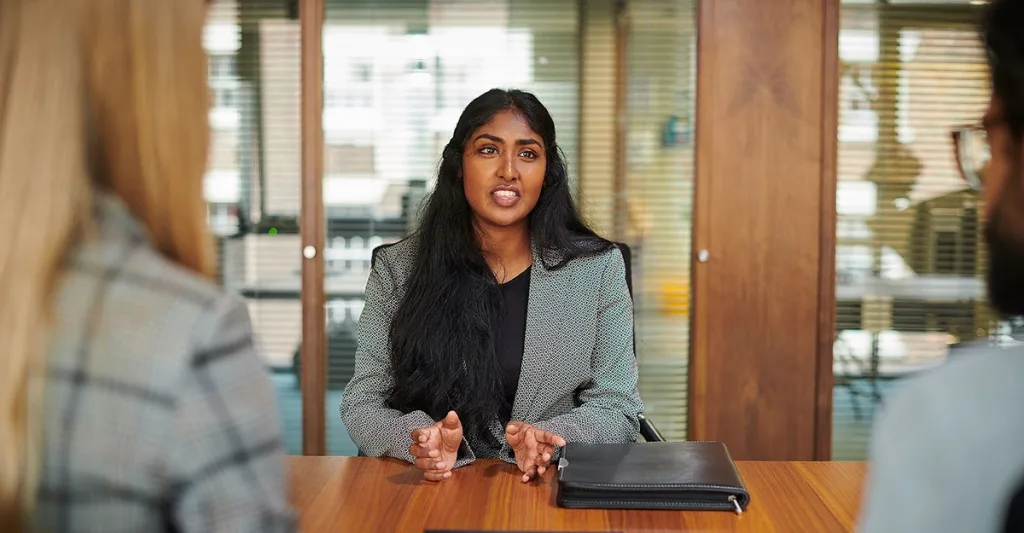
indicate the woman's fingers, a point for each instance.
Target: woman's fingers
{"x":431,"y":464}
{"x":514,"y":434}
{"x":546,"y":450}
{"x":423,"y":451}
{"x":422,"y":435}
{"x":434,"y":475}
{"x":529,"y":474}
{"x":547,"y":437}
{"x":529,"y":463}
{"x":538,"y":461}
{"x":535,"y":448}
{"x":540,"y":449}
{"x":451,"y":421}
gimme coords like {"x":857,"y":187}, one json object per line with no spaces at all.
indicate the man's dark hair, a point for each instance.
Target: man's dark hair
{"x":1003,"y":38}
{"x":1004,"y":228}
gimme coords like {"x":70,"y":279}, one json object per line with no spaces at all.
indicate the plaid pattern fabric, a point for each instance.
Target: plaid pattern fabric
{"x":578,"y":378}
{"x":159,"y":414}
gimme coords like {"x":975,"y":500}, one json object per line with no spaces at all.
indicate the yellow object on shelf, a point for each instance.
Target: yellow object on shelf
{"x":675,"y":298}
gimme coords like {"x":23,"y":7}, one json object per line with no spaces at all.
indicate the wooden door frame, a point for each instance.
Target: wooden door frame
{"x":312,"y":228}
{"x":817,"y":444}
{"x":827,"y":220}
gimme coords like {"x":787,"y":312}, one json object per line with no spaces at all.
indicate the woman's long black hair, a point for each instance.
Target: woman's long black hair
{"x":442,"y":343}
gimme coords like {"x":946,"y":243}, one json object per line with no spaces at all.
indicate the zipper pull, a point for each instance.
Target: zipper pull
{"x":735,"y":502}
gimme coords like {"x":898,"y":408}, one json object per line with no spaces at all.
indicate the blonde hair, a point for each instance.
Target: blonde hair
{"x":95,"y":95}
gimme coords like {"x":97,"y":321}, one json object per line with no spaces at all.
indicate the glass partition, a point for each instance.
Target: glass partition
{"x":252,"y":184}
{"x":657,"y":192}
{"x":909,"y":249}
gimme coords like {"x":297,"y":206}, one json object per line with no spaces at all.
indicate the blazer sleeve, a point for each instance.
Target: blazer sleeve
{"x":610,"y":404}
{"x":226,"y":456}
{"x":376,"y":429}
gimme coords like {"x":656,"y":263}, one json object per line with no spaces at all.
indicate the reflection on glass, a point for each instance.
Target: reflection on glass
{"x":909,"y":260}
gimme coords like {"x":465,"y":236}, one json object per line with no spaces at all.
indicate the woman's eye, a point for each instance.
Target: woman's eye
{"x":489,"y":150}
{"x":529,"y":154}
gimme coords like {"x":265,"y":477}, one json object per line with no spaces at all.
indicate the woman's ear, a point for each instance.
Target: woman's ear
{"x":451,"y":155}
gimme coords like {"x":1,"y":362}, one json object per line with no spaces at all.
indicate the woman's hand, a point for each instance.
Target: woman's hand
{"x":533,"y":447}
{"x":435,"y":448}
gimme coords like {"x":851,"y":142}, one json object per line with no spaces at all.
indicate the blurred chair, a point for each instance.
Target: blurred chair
{"x":648,"y":430}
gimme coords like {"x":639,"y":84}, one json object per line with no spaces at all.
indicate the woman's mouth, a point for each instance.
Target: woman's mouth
{"x":505,"y":197}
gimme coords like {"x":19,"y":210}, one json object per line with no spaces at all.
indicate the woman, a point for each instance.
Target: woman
{"x":130,"y":395}
{"x":503,"y":327}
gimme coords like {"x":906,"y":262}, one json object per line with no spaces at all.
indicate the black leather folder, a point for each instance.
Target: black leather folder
{"x":652,"y":475}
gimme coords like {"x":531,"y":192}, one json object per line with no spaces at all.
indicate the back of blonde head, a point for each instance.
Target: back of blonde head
{"x":95,"y":96}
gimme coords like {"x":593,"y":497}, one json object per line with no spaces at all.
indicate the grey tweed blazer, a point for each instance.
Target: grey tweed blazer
{"x":579,"y":374}
{"x":159,"y":416}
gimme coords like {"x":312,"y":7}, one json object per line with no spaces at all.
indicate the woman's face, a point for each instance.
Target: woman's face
{"x":503,"y":171}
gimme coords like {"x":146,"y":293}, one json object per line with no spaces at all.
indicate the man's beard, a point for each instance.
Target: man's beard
{"x":1005,"y":237}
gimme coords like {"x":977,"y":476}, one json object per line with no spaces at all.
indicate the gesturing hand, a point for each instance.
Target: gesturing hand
{"x":435,"y":448}
{"x":533,"y":447}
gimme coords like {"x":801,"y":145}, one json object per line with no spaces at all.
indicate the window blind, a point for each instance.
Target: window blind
{"x":909,"y":248}
{"x":657,"y":192}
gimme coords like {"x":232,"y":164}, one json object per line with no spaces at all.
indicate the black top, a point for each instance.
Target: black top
{"x":508,"y":322}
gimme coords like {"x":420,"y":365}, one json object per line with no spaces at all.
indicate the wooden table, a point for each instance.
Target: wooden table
{"x":355,"y":494}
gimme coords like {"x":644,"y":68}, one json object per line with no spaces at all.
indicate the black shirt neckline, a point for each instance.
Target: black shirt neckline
{"x":508,"y":323}
{"x":519,"y":277}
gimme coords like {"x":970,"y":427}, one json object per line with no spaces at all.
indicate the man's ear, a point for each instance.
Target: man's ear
{"x":1015,"y":174}
{"x":1012,"y":185}
{"x":1011,"y":197}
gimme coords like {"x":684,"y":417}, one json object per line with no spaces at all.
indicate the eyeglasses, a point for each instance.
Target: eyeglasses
{"x":970,"y":145}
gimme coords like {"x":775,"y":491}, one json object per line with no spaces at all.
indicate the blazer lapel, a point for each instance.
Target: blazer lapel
{"x":548,"y":291}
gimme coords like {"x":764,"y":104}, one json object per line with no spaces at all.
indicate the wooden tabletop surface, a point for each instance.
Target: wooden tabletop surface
{"x":356,"y":494}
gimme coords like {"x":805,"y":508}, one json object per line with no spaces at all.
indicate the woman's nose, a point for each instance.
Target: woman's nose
{"x":509,"y":169}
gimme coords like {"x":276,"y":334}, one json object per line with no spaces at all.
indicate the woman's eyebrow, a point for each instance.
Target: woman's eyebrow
{"x":490,"y":137}
{"x":495,"y":138}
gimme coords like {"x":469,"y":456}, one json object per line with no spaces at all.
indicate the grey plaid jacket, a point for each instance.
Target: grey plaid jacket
{"x":579,"y":374}
{"x":159,"y":414}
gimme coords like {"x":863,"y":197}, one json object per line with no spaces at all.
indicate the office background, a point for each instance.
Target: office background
{"x":790,"y":199}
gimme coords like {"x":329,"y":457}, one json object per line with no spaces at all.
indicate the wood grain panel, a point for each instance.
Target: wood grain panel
{"x":306,"y":483}
{"x":839,"y":485}
{"x":761,"y":107}
{"x":364,"y":494}
{"x":827,"y":231}
{"x":314,"y":340}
